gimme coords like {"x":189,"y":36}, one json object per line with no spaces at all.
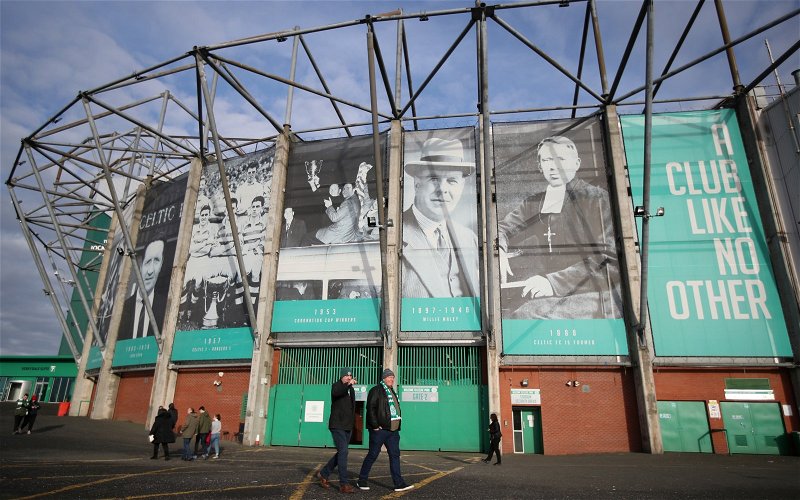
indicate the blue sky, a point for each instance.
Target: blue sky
{"x":49,"y":51}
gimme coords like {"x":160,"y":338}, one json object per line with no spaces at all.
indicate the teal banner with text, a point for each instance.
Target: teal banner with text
{"x":711,"y":291}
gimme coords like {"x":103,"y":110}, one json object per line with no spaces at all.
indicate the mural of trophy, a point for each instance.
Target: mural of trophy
{"x":313,"y":169}
{"x":215,"y":290}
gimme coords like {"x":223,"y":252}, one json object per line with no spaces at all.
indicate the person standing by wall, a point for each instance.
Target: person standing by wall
{"x":343,"y":411}
{"x":216,"y":428}
{"x":30,"y":418}
{"x":19,"y":413}
{"x":494,"y":440}
{"x":383,"y":420}
{"x":162,"y":432}
{"x":203,"y":428}
{"x":188,"y":430}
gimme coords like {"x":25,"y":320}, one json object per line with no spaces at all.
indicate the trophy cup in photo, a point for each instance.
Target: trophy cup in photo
{"x":313,"y":169}
{"x":215,"y":290}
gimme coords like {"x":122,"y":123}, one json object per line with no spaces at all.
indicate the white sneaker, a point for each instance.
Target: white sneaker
{"x":216,"y":456}
{"x":364,"y":486}
{"x":29,"y":432}
{"x":404,"y":488}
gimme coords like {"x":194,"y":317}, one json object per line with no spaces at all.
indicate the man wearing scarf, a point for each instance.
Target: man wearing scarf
{"x":383,"y":421}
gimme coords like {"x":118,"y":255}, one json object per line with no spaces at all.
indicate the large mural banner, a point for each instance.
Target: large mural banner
{"x":329,"y":274}
{"x":212,"y":318}
{"x":109,"y":291}
{"x":440,"y":271}
{"x":155,"y":253}
{"x":559,"y":272}
{"x":711,"y":291}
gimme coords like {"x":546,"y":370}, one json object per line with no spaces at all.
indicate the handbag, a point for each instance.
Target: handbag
{"x":208,"y":438}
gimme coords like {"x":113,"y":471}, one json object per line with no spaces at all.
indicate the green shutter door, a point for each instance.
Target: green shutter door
{"x":684,"y":426}
{"x":754,"y":428}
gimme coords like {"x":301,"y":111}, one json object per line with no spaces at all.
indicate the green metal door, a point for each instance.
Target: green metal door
{"x":300,"y":403}
{"x":444,"y":406}
{"x":684,"y":426}
{"x":528,"y":430}
{"x":754,"y":428}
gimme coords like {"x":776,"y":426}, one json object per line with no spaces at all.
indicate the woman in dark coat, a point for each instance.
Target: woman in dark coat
{"x":494,"y":440}
{"x":162,"y":433}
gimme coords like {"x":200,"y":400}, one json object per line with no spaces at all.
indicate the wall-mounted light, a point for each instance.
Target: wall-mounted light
{"x":524,"y":382}
{"x":639,"y":211}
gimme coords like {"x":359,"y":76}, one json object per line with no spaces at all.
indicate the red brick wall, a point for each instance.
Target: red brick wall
{"x":133,"y":396}
{"x":196,"y":388}
{"x":602,"y":420}
{"x":684,"y":384}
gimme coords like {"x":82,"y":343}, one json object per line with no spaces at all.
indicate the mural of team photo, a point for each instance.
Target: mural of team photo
{"x":439,"y":262}
{"x":155,"y":252}
{"x":329,"y":276}
{"x":212,"y":298}
{"x":559,"y":273}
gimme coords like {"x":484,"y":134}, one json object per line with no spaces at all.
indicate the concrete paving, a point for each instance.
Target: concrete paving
{"x":74,"y":457}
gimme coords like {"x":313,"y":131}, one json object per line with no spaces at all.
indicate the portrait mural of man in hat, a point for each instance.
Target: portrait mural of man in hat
{"x":440,"y":257}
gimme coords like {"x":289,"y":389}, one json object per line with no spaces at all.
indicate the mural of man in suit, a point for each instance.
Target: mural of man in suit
{"x":135,"y":323}
{"x":293,"y":230}
{"x":440,"y":257}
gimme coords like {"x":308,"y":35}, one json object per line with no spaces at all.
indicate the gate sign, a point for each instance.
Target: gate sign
{"x":711,"y":288}
{"x":361,"y":392}
{"x":526,"y":397}
{"x":420,"y":393}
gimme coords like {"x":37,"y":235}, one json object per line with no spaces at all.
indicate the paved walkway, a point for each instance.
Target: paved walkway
{"x":73,"y":457}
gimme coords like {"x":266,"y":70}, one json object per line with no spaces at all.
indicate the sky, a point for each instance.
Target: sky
{"x":50,"y":51}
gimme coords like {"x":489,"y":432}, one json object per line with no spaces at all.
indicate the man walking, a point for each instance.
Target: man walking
{"x":383,"y":421}
{"x":20,"y":411}
{"x":343,"y":410}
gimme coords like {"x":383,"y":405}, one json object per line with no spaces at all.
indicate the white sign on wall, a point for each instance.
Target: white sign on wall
{"x":361,"y":392}
{"x":526,"y":397}
{"x":314,"y":411}
{"x":420,"y":393}
{"x":713,"y":409}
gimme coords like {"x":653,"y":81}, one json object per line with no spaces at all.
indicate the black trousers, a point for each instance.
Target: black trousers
{"x":494,"y":447}
{"x":164,"y":446}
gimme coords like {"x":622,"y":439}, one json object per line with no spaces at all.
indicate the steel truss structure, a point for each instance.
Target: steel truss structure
{"x":93,"y":155}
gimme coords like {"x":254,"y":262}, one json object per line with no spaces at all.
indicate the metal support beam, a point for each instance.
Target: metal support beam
{"x":325,"y":85}
{"x":726,"y":37}
{"x":223,"y":177}
{"x":128,"y":241}
{"x":648,"y":142}
{"x":292,"y":71}
{"x":61,"y":240}
{"x":48,"y":289}
{"x":386,"y":329}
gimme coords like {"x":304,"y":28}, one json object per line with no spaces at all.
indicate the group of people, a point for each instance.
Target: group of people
{"x":201,"y":426}
{"x":383,"y":421}
{"x":25,"y":414}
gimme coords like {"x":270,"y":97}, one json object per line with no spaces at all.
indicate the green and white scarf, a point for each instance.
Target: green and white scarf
{"x":394,"y":410}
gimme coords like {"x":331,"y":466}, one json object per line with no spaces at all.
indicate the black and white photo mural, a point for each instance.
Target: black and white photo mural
{"x":212,"y":318}
{"x":329,"y":275}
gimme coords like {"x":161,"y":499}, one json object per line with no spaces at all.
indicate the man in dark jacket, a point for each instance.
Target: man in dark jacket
{"x":203,"y":428}
{"x":162,"y":432}
{"x":343,"y":411}
{"x":383,"y":421}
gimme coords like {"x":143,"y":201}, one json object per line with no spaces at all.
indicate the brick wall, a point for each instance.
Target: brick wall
{"x":196,"y":388}
{"x":685,"y":384}
{"x":133,"y":396}
{"x":599,"y":416}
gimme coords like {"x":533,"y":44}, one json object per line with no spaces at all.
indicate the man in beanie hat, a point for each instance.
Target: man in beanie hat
{"x":343,"y":411}
{"x":440,"y":256}
{"x":383,"y":421}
